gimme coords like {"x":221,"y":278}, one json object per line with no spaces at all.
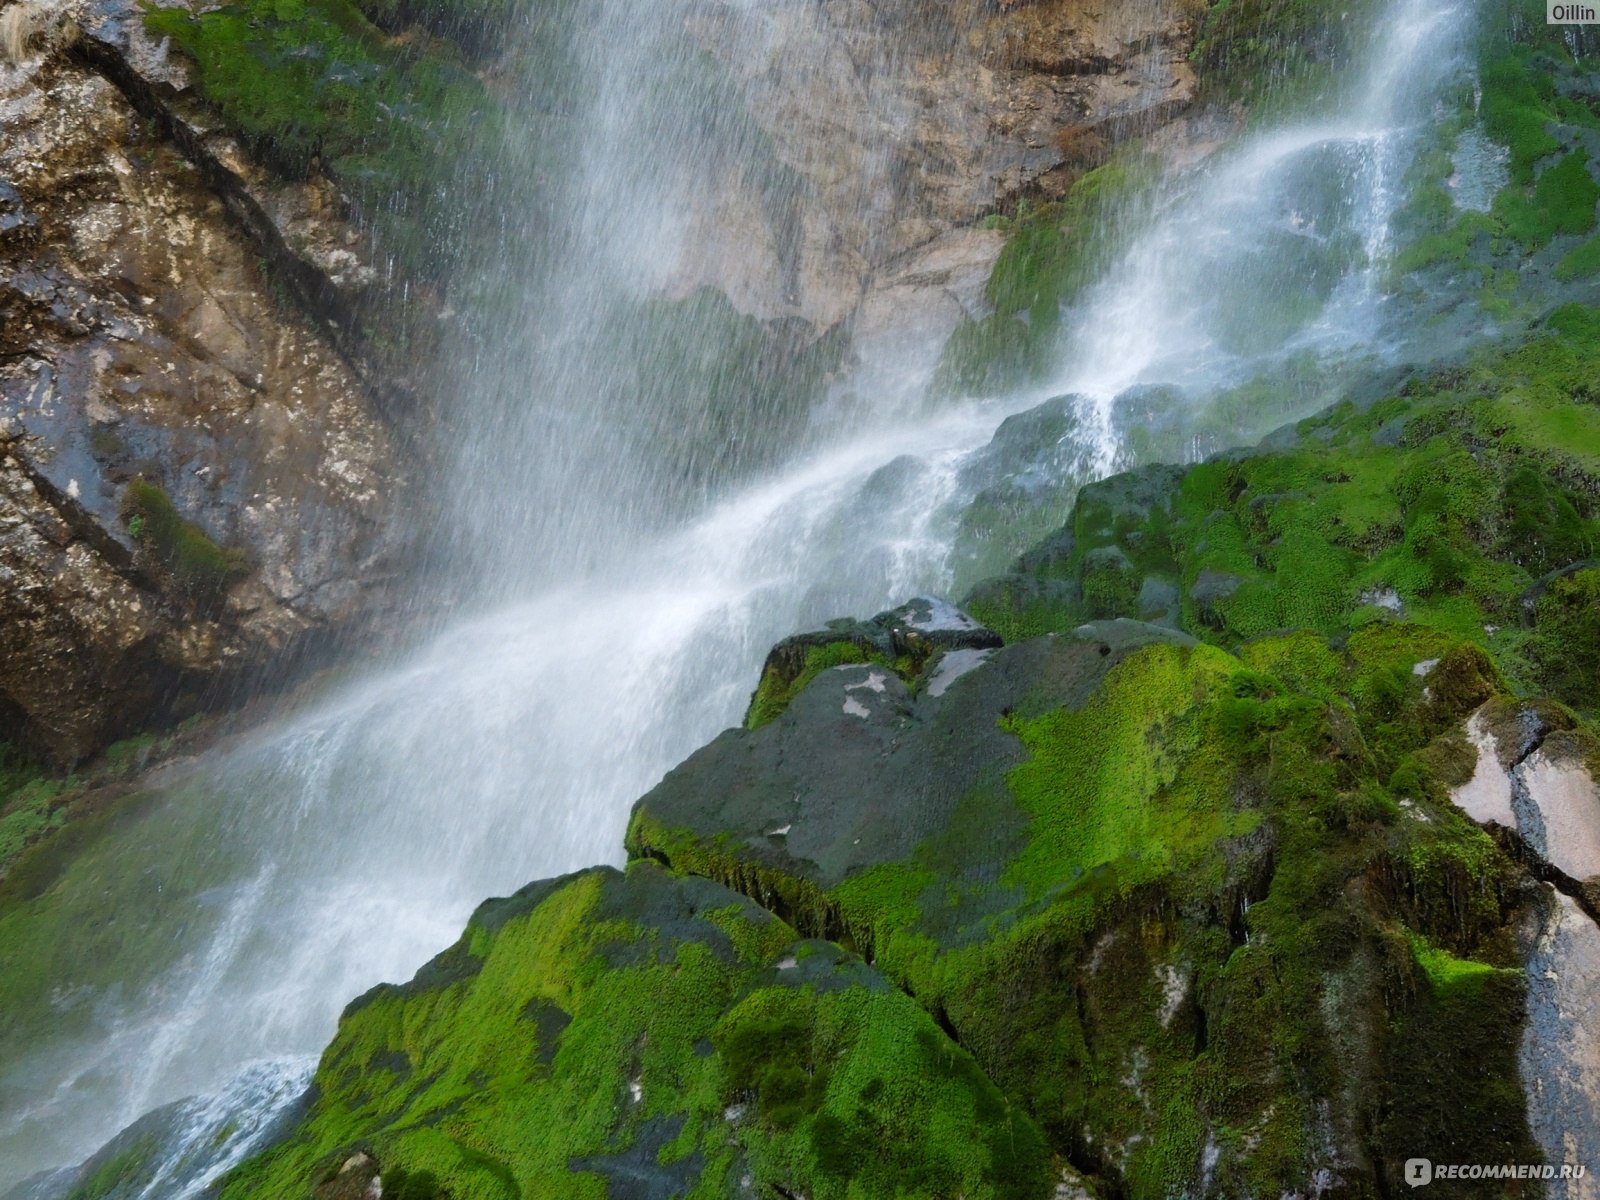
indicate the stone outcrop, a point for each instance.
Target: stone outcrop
{"x":196,"y":484}
{"x":1533,"y":777}
{"x":899,"y":127}
{"x":788,"y":1066}
{"x":1561,"y":1041}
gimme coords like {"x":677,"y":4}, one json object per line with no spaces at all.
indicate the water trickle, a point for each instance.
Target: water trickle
{"x":637,"y":529}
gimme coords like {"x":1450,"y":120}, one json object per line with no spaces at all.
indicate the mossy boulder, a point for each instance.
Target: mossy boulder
{"x":1167,"y":896}
{"x":648,"y":1035}
{"x":908,"y":640}
{"x":1464,"y":500}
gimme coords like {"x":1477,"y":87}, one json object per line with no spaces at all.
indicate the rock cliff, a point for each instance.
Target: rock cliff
{"x":197,"y":484}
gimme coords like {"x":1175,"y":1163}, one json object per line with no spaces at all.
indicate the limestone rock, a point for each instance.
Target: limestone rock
{"x":1536,"y":781}
{"x":900,"y":128}
{"x":1560,"y":1058}
{"x":140,"y":338}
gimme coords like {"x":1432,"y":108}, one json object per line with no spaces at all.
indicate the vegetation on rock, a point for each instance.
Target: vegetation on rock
{"x":314,"y":85}
{"x":657,"y":1032}
{"x":1446,"y":503}
{"x":199,"y":566}
{"x":1189,"y":925}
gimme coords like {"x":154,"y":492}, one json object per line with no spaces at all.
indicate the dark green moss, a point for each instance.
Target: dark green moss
{"x":199,"y":566}
{"x":776,"y":689}
{"x":1565,"y":646}
{"x":1275,"y":50}
{"x":1053,"y":251}
{"x":119,"y":1173}
{"x":312,"y":84}
{"x":28,"y":809}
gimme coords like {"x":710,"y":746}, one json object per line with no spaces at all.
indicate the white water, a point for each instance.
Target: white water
{"x":348,"y":843}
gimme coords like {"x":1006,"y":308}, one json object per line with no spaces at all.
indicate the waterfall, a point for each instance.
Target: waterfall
{"x":623,"y":559}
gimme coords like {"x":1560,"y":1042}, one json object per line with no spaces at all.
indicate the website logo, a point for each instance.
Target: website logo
{"x":1571,"y":14}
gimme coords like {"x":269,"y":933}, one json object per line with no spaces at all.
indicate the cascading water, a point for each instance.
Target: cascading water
{"x":632,"y":559}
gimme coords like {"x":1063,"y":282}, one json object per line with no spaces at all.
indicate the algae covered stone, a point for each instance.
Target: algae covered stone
{"x":1167,"y":896}
{"x":643,"y":1034}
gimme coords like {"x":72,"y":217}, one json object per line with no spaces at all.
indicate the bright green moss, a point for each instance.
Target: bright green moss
{"x":196,"y":564}
{"x":815,"y":1076}
{"x":1098,"y":784}
{"x":1562,"y":201}
{"x":1445,"y":971}
{"x":1516,"y":109}
{"x":1453,"y":246}
{"x":774,"y":693}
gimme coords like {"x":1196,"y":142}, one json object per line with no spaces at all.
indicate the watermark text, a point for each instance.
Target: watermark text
{"x":1419,"y":1172}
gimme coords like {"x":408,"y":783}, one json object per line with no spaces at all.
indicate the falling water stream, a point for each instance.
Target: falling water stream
{"x":623,"y":612}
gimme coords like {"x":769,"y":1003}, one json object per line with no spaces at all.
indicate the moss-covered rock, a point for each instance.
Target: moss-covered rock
{"x":907,"y":640}
{"x":1052,"y":252}
{"x":647,"y":1035}
{"x":182,"y":550}
{"x":1273,"y":49}
{"x":1169,"y":897}
{"x":1442,"y":504}
{"x":314,"y":86}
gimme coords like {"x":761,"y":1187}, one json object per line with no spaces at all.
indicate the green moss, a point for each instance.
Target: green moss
{"x":1443,"y":503}
{"x":28,"y":809}
{"x":1098,"y":784}
{"x":775,"y":691}
{"x":817,"y":1077}
{"x":308,"y":82}
{"x":1580,"y":262}
{"x":1562,"y":201}
{"x":1273,"y":52}
{"x":1052,"y":252}
{"x":196,"y":564}
{"x":1216,"y":825}
{"x":1565,"y":646}
{"x":117,"y":1174}
{"x":1516,"y":108}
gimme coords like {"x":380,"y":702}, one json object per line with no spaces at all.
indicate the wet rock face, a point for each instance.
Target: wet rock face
{"x":141,"y":338}
{"x":1561,"y":1042}
{"x":786,"y":1066}
{"x":900,"y":126}
{"x":1533,"y":777}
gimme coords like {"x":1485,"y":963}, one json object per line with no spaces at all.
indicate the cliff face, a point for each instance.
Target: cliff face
{"x":902,"y":125}
{"x":197,"y":485}
{"x":201,"y":373}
